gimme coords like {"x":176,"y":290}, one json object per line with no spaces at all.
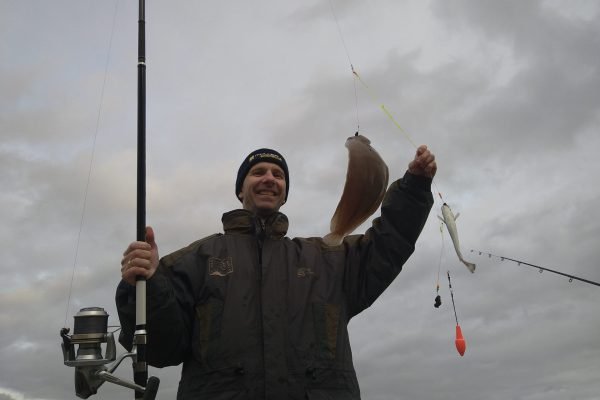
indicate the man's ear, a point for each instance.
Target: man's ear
{"x":240,"y":196}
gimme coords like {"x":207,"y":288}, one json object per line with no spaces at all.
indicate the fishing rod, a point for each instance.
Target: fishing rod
{"x":90,"y":328}
{"x":541,"y":269}
{"x":140,"y":366}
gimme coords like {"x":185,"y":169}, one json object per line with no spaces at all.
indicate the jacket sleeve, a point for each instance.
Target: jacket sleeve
{"x":169,"y":311}
{"x":373,"y":260}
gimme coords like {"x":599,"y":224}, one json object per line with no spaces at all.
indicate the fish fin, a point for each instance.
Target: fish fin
{"x":441,"y":219}
{"x":333,"y":239}
{"x":456,"y":216}
{"x":469,"y":265}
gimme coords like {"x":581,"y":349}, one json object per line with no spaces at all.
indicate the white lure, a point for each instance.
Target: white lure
{"x":449,"y":219}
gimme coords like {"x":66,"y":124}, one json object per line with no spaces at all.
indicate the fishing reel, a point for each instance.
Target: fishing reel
{"x":90,"y":331}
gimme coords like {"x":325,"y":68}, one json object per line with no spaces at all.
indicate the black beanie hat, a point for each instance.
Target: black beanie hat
{"x":257,"y":156}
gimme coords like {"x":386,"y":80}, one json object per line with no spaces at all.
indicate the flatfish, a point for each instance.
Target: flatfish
{"x":366,"y":184}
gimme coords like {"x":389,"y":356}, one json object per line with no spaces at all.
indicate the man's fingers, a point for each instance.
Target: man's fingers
{"x":423,"y":163}
{"x":133,"y":267}
{"x":150,"y":237}
{"x":129,"y":274}
{"x":138,"y":258}
{"x":136,"y":246}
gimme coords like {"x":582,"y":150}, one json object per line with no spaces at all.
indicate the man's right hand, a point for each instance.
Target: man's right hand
{"x":140,"y":259}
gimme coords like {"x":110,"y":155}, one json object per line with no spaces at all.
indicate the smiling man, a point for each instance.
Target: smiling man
{"x":262,"y":182}
{"x":253,"y":314}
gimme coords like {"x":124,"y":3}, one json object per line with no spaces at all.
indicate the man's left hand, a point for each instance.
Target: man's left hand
{"x":424,"y":163}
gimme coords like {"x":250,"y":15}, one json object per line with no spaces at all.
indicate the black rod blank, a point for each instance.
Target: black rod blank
{"x":571,"y":277}
{"x":140,"y":368}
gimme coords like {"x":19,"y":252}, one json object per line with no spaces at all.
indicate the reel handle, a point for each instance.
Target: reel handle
{"x":149,"y":391}
{"x":151,"y":388}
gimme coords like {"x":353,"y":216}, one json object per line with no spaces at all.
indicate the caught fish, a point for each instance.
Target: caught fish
{"x":450,"y":221}
{"x":366,"y":183}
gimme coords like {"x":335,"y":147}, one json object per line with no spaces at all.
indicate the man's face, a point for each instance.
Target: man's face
{"x":263,"y":190}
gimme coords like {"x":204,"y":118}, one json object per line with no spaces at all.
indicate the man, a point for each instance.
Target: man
{"x":252,"y":314}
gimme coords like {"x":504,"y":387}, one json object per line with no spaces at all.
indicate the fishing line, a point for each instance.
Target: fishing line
{"x":337,"y":23}
{"x":371,"y":94}
{"x":391,"y":118}
{"x":452,"y":296}
{"x":340,"y":32}
{"x":383,"y":108}
{"x":541,"y":269}
{"x":357,"y":76}
{"x":89,"y":175}
{"x":438,"y":299}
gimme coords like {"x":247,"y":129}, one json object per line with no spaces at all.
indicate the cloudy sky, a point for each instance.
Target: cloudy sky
{"x":505,"y":93}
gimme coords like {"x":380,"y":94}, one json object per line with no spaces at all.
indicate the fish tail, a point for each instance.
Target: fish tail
{"x":333,"y":239}
{"x":469,"y":265}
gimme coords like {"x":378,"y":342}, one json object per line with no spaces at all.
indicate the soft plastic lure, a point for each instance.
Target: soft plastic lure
{"x":449,"y":219}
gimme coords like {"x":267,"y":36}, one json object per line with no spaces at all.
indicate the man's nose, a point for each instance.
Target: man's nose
{"x":268,"y":177}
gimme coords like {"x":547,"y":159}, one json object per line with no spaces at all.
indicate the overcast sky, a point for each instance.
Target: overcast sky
{"x":505,"y":93}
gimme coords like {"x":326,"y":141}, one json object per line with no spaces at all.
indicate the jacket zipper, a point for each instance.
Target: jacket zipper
{"x":260,"y":231}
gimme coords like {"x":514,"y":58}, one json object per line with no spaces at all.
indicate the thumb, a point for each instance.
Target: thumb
{"x":150,"y":237}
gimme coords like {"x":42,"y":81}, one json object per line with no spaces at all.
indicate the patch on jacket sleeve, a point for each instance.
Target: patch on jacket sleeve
{"x":220,"y":266}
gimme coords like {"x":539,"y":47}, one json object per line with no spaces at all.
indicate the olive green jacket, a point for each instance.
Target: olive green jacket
{"x":252,"y":314}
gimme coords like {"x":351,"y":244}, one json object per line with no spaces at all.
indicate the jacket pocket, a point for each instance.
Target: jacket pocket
{"x":331,"y":384}
{"x":222,"y":384}
{"x":207,"y":330}
{"x":326,"y":320}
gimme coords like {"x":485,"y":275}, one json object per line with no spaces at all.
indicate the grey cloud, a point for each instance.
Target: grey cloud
{"x":503,"y":93}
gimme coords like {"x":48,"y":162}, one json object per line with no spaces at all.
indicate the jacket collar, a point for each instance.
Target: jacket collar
{"x":245,"y":222}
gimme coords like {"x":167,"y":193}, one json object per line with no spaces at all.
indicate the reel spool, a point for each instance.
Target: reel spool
{"x":90,"y":331}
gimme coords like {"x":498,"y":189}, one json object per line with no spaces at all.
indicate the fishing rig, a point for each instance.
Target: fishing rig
{"x":90,"y":329}
{"x":459,"y":339}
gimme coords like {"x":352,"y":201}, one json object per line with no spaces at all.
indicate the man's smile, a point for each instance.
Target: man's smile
{"x":265,"y":192}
